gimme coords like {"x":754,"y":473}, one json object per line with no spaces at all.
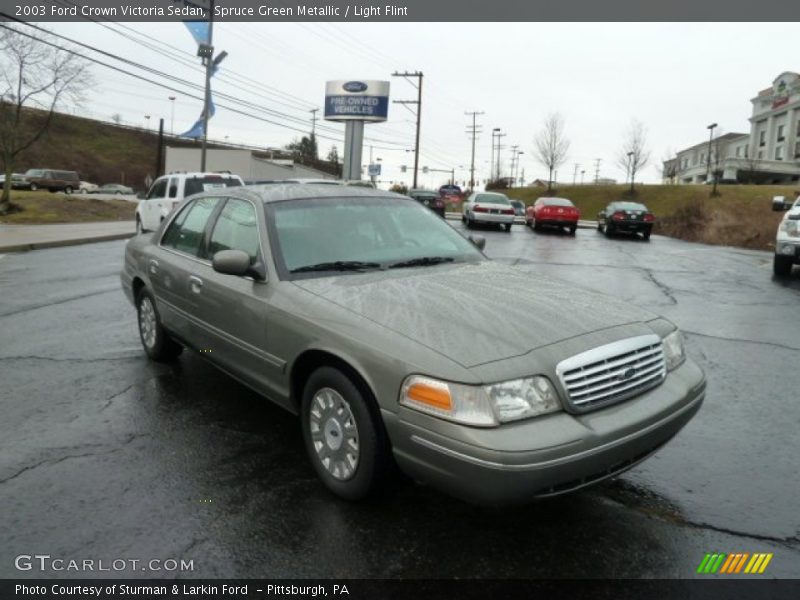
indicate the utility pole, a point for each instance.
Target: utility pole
{"x":499,"y":136}
{"x":474,"y":130}
{"x":209,"y":60}
{"x":418,"y":102}
{"x":172,"y":115}
{"x":314,"y":120}
{"x":597,"y":170}
{"x":495,"y":133}
{"x":513,"y":160}
{"x":575,"y":174}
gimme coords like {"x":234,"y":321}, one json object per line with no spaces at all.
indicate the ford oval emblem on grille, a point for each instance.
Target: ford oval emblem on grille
{"x":354,"y":86}
{"x":627,"y":374}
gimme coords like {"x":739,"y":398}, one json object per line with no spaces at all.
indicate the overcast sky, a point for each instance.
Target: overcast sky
{"x":674,"y":78}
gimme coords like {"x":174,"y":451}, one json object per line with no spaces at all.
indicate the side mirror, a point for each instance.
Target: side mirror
{"x":231,"y":262}
{"x":479,"y":241}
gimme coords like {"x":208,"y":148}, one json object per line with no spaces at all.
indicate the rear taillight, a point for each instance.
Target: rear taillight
{"x":618,"y":216}
{"x":508,"y":211}
{"x":649,"y":218}
{"x":480,"y":209}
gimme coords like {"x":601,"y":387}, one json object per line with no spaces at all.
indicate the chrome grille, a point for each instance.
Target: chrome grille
{"x":613,"y":372}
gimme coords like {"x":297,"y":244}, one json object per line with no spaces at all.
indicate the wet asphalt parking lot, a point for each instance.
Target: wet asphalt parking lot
{"x":105,"y":455}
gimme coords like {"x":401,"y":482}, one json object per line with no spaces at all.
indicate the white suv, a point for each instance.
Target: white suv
{"x":169,"y":190}
{"x":787,"y":242}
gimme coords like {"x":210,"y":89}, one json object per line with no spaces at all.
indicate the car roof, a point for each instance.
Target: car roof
{"x":289,"y":191}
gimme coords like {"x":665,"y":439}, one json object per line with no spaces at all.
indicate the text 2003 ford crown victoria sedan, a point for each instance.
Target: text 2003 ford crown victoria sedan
{"x":378,"y":323}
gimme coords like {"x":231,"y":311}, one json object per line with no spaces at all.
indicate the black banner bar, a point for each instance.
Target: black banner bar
{"x":402,"y":10}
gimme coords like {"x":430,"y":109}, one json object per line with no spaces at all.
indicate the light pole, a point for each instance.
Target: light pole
{"x":582,"y":172}
{"x":147,"y":122}
{"x":495,"y":133}
{"x":172,"y":115}
{"x":710,"y":139}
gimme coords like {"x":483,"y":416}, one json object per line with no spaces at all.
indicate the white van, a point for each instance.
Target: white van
{"x":169,"y":190}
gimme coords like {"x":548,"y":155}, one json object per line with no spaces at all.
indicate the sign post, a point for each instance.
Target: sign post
{"x":355,"y":103}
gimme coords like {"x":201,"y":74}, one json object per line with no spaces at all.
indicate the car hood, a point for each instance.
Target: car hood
{"x":474,"y":313}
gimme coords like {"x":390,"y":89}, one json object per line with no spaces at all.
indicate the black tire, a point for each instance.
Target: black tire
{"x":68,"y":190}
{"x":373,"y":460}
{"x":599,"y":227}
{"x":162,"y":348}
{"x":469,"y":222}
{"x":139,"y":228}
{"x":508,"y":227}
{"x":646,"y":236}
{"x":34,"y":187}
{"x":572,"y":230}
{"x":536,"y":226}
{"x":782,"y":265}
{"x":609,"y":231}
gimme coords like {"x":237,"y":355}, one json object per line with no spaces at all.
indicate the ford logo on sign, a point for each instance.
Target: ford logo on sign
{"x":354,"y":86}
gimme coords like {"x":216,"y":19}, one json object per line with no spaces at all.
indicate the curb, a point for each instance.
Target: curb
{"x":69,"y":242}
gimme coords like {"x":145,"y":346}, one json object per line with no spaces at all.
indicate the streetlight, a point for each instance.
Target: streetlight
{"x":708,"y":158}
{"x":582,"y":172}
{"x":147,"y":122}
{"x":495,"y":133}
{"x":172,"y":115}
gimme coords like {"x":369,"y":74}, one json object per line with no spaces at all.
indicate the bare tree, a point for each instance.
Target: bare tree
{"x":117,"y":118}
{"x":670,"y":167}
{"x":33,"y":75}
{"x":634,"y":154}
{"x":752,"y":161}
{"x":551,"y":146}
{"x":716,"y":160}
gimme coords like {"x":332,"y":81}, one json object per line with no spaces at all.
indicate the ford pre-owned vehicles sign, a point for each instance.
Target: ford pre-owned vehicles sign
{"x":355,"y":100}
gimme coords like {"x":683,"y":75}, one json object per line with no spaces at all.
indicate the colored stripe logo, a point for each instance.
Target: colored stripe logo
{"x":735,"y":563}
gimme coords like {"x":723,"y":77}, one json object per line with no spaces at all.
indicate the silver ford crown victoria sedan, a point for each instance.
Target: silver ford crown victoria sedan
{"x":399,"y":343}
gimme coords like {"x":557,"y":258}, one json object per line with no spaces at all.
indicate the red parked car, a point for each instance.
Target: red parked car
{"x":553,"y":212}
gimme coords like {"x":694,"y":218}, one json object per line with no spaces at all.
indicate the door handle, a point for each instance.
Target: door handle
{"x":153,"y":266}
{"x":195,"y":284}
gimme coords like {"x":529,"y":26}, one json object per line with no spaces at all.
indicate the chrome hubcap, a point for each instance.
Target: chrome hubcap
{"x":147,"y":322}
{"x":334,"y":433}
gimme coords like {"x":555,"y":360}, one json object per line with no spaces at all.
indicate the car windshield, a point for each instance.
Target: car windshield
{"x":492,"y":198}
{"x":629,"y":206}
{"x":352,"y":234}
{"x":557,"y":202}
{"x":34,"y":173}
{"x":195,"y":185}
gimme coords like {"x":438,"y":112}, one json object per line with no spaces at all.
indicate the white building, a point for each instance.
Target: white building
{"x":770,"y":153}
{"x":249,"y":165}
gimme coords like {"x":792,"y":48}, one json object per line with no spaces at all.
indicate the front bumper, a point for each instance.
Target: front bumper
{"x":548,"y":455}
{"x":790,"y":248}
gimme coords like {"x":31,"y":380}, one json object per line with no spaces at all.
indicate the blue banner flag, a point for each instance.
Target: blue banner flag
{"x":199,"y":30}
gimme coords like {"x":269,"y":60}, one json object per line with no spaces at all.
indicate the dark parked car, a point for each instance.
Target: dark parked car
{"x":18,"y":182}
{"x":52,"y":180}
{"x":430,"y":199}
{"x":519,"y":208}
{"x":397,"y":341}
{"x":625,"y":217}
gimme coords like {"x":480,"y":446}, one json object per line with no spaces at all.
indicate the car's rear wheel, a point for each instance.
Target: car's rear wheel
{"x":68,"y":190}
{"x":469,"y":222}
{"x":508,"y":227}
{"x":343,"y":434}
{"x":572,"y":230}
{"x":782,"y":265}
{"x":599,"y":227}
{"x":646,"y":235}
{"x":609,"y":231}
{"x":155,"y":340}
{"x":535,"y":226}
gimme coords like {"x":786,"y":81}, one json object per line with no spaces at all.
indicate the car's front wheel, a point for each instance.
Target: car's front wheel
{"x":34,"y":187}
{"x":155,"y":340}
{"x":782,"y":265}
{"x":139,"y":228}
{"x":343,"y":435}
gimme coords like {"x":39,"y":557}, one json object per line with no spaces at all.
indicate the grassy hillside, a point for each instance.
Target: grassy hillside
{"x":44,"y":207}
{"x":741,"y":216}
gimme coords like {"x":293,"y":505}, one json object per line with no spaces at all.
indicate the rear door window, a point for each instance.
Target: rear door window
{"x":186,"y":232}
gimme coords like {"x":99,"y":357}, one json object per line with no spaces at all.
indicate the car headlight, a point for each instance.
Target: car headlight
{"x":674,"y":353}
{"x":480,"y":405}
{"x":790,"y":226}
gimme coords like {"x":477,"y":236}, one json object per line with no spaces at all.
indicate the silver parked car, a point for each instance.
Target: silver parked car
{"x":375,"y":321}
{"x":488,"y":208}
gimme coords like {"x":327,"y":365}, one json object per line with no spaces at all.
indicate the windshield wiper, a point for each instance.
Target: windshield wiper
{"x":423,"y":261}
{"x":338,"y":265}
